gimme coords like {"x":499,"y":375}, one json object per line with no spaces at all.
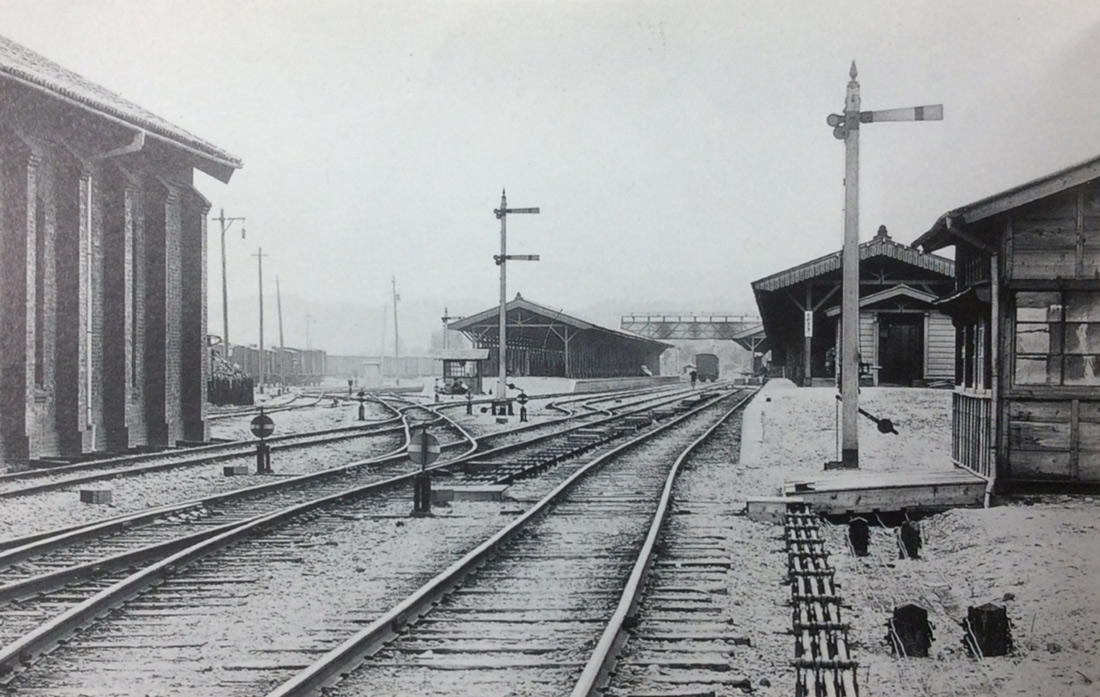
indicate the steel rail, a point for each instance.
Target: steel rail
{"x":23,"y":650}
{"x":598,"y":669}
{"x":288,"y":406}
{"x":37,"y":544}
{"x":244,"y":445}
{"x":342,"y":659}
{"x":95,"y":528}
{"x":239,"y":449}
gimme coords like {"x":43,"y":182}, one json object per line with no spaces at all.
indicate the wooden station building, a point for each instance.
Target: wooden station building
{"x":543,"y":342}
{"x":904,"y":340}
{"x":1026,"y":310}
{"x":102,"y":267}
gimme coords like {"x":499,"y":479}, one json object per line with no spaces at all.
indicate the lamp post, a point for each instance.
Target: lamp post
{"x":502,"y":216}
{"x":226,"y":224}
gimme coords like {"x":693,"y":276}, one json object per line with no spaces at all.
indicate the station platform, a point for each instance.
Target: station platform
{"x":791,"y":432}
{"x":868,"y":492}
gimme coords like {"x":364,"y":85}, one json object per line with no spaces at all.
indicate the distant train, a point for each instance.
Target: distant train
{"x":706,"y":367}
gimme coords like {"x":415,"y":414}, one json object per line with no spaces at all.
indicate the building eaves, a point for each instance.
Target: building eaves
{"x":21,"y":64}
{"x":938,"y":236}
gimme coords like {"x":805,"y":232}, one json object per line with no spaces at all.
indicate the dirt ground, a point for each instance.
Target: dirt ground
{"x":1038,"y":557}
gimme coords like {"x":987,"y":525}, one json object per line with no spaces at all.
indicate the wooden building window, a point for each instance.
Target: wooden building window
{"x":1057,"y":338}
{"x":973,"y":356}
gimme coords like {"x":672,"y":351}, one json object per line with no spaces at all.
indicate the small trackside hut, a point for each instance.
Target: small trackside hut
{"x":1026,"y":311}
{"x":463,"y":370}
{"x":903,"y":339}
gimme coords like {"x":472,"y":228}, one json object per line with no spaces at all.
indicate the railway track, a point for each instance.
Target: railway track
{"x":80,"y":567}
{"x":522,"y":611}
{"x":29,"y":648}
{"x":16,"y":484}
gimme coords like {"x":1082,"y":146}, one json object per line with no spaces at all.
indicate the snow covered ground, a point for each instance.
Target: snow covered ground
{"x":1039,"y":557}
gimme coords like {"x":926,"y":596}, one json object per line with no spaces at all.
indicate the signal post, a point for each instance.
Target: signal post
{"x":846,"y":128}
{"x":501,"y":402}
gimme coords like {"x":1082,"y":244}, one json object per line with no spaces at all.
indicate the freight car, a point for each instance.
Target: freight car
{"x":706,"y":367}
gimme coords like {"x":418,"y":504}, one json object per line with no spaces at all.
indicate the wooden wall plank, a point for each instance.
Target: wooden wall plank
{"x":1027,"y":435}
{"x":1032,"y":464}
{"x":1056,"y":412}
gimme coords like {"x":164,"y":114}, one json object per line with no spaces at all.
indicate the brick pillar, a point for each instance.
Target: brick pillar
{"x":46,"y":318}
{"x":163,"y":314}
{"x":17,"y":303}
{"x":117,"y":311}
{"x":69,"y":351}
{"x":91,"y":302}
{"x":194,"y":359}
{"x":135,"y":222}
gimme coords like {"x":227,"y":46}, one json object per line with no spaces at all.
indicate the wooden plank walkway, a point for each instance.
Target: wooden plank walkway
{"x":865,"y":492}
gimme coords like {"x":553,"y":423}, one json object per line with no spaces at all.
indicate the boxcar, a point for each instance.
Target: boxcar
{"x":706,"y":366}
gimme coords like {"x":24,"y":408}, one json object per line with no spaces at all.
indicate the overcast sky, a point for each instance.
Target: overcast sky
{"x":678,"y":150}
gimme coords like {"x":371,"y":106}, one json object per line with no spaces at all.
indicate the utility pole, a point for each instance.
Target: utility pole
{"x":309,"y":342}
{"x":382,"y":349}
{"x":396,"y":360}
{"x":226,"y":224}
{"x":846,"y":128}
{"x":260,"y":260}
{"x":282,"y":346}
{"x":502,"y":345}
{"x":447,"y":317}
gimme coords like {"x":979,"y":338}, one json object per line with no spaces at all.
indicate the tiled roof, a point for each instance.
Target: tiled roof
{"x":24,"y":65}
{"x":880,"y":246}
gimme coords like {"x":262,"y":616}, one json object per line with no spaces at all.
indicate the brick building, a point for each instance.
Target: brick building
{"x":102,"y":267}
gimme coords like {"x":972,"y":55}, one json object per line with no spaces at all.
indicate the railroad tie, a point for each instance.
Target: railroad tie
{"x":822,"y":662}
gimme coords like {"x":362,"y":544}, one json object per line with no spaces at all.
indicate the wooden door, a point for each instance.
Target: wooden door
{"x":901,"y":348}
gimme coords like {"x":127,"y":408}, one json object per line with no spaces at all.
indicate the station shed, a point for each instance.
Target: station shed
{"x":904,"y":339}
{"x":463,"y":370}
{"x":544,"y":342}
{"x":1026,"y":309}
{"x":102,"y":267}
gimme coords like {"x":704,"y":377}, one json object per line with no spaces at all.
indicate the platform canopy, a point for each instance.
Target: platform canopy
{"x":799,"y":307}
{"x":814,"y":286}
{"x":546,"y":342}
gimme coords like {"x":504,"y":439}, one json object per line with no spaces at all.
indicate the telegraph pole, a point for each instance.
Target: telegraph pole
{"x":282,"y":346}
{"x":846,"y":128}
{"x":502,"y":216}
{"x":260,"y":260}
{"x":226,"y":224}
{"x":396,"y":361}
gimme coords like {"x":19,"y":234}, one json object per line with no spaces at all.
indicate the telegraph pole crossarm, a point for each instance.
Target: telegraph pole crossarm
{"x":846,"y":128}
{"x":501,"y":261}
